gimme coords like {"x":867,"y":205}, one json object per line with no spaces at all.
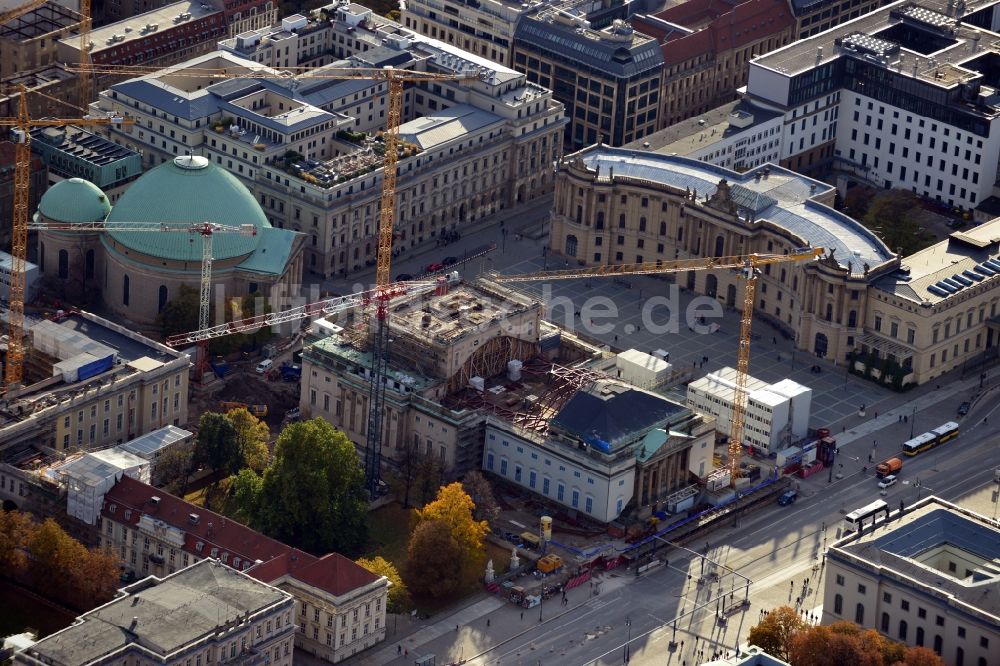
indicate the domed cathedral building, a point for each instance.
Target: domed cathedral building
{"x":138,"y":272}
{"x":615,"y":205}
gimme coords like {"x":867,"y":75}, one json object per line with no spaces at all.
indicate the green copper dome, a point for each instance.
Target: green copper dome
{"x":188,"y":189}
{"x":75,"y":200}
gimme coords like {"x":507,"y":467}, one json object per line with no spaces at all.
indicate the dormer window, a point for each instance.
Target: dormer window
{"x":113,"y":508}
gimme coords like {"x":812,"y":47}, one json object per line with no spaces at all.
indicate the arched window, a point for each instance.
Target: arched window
{"x":920,"y":636}
{"x":89,"y":274}
{"x":859,"y":614}
{"x":937,"y":643}
{"x":63,"y":264}
{"x":852,"y":319}
{"x":162,"y":300}
{"x":829,"y":312}
{"x":663,"y":228}
{"x":959,"y":657}
{"x":902,"y":630}
{"x":838,"y":605}
{"x":720,"y":245}
{"x":571,"y":245}
{"x":885,"y":622}
{"x":642,"y":224}
{"x":124,"y":290}
{"x":599,"y":224}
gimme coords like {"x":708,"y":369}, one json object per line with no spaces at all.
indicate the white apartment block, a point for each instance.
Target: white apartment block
{"x":904,"y":97}
{"x":307,"y":147}
{"x":777,"y":415}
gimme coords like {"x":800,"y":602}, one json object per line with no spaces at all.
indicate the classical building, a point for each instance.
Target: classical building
{"x":924,"y":575}
{"x":340,"y":606}
{"x":609,"y":447}
{"x":206,"y":613}
{"x":240,"y":15}
{"x":310,"y":150}
{"x":707,"y":46}
{"x":614,"y":206}
{"x":139,"y":272}
{"x":777,"y":415}
{"x":903,"y":97}
{"x":89,"y":384}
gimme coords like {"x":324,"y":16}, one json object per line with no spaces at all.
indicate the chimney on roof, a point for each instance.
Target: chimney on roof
{"x":154,"y":500}
{"x":210,"y":529}
{"x":193,"y":517}
{"x":135,"y":623}
{"x":819,"y":54}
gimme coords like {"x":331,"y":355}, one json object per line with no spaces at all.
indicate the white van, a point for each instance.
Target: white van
{"x":264,"y":366}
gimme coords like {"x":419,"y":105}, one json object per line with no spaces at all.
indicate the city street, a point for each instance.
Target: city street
{"x":592,"y":629}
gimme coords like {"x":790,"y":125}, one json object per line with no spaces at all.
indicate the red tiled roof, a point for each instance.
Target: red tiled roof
{"x":333,"y":572}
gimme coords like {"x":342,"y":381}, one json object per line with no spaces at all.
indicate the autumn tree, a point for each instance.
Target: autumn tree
{"x":312,"y":495}
{"x":63,"y":568}
{"x":455,"y":509}
{"x":251,"y":438}
{"x":479,"y":489}
{"x":399,"y":596}
{"x":918,"y":655}
{"x":217,"y":445}
{"x":16,"y":531}
{"x":434,"y":560}
{"x":774,"y":633}
{"x":847,"y":643}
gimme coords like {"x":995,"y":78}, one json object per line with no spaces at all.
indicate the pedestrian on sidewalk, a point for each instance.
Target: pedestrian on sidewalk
{"x":522,"y":615}
{"x":399,"y":650}
{"x":487,"y":622}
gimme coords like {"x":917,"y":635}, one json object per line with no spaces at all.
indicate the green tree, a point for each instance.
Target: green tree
{"x":217,"y":445}
{"x":479,"y":489}
{"x":455,"y":509}
{"x":434,"y":560}
{"x":399,"y":596}
{"x":774,"y":633}
{"x":251,"y":437}
{"x":180,"y":314}
{"x":245,"y":493}
{"x":895,"y":216}
{"x":175,"y":465}
{"x":313,"y":493}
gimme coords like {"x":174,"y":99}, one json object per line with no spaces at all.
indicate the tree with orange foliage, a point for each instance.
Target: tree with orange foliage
{"x":61,"y":567}
{"x":455,"y":508}
{"x":16,"y":530}
{"x":774,"y":633}
{"x":918,"y":655}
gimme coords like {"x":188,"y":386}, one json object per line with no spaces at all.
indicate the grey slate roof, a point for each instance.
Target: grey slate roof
{"x":171,"y":613}
{"x":623,"y":414}
{"x":607,"y":56}
{"x":793,"y":208}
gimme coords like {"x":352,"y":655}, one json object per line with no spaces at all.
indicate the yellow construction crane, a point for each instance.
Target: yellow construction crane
{"x":83,"y":81}
{"x":21,"y":127}
{"x":384,"y":290}
{"x":748,"y":266}
{"x":12,"y":14}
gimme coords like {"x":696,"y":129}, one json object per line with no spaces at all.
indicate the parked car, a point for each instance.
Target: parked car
{"x":448,"y":261}
{"x":431,"y":268}
{"x":788,"y":497}
{"x":404,"y":277}
{"x":292,"y":414}
{"x":887,"y":481}
{"x":264,"y":366}
{"x":963,"y":409}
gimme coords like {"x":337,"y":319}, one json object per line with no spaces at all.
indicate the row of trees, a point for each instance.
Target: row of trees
{"x":55,"y":564}
{"x":310,"y":495}
{"x":785,"y":635}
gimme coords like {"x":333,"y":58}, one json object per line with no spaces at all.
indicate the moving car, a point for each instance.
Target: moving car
{"x":963,"y":409}
{"x":404,"y":277}
{"x":434,"y":267}
{"x":887,"y":481}
{"x":787,"y":497}
{"x":448,"y":261}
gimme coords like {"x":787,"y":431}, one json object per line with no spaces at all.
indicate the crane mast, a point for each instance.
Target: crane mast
{"x":747,"y":266}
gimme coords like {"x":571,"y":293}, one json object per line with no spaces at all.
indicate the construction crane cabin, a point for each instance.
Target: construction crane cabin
{"x":747,"y":265}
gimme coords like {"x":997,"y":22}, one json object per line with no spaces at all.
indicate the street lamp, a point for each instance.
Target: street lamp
{"x":913,"y":419}
{"x":625,"y":654}
{"x":541,"y":598}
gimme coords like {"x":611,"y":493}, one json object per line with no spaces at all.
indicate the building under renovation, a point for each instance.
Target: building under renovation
{"x":479,"y":360}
